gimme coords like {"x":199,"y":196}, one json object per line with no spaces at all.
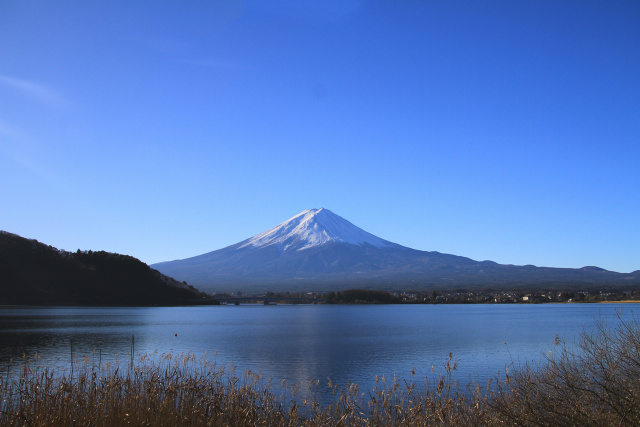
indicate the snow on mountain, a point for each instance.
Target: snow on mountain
{"x":318,"y":250}
{"x":314,"y":227}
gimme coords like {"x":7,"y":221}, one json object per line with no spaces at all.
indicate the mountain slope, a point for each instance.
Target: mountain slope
{"x":314,"y":227}
{"x":319,"y":250}
{"x":32,"y":273}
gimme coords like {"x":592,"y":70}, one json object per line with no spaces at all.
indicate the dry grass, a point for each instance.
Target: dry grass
{"x":597,"y":383}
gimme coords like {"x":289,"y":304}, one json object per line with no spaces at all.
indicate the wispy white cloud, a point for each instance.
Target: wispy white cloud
{"x":11,"y":133}
{"x":36,"y":91}
{"x":18,"y":147}
{"x":16,"y":144}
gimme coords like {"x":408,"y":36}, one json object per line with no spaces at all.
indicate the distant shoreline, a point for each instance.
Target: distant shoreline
{"x":621,"y":302}
{"x":13,"y":306}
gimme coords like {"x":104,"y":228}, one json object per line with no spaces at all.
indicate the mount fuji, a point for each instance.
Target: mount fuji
{"x":318,"y":250}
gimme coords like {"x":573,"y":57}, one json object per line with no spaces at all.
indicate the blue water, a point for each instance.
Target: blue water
{"x":299,"y":343}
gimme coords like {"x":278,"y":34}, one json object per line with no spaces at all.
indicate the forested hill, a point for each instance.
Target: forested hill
{"x":32,"y":273}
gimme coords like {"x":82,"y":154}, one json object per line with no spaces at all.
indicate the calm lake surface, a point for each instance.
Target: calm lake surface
{"x":299,"y":343}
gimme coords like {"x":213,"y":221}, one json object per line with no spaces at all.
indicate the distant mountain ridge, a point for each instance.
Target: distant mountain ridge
{"x":32,"y":273}
{"x":318,"y":250}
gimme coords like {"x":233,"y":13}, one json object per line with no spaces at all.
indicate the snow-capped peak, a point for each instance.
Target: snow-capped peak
{"x":314,"y":227}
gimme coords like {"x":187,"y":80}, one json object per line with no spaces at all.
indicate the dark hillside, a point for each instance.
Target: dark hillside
{"x":32,"y":273}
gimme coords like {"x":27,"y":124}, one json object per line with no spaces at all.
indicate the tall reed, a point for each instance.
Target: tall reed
{"x":595,"y":383}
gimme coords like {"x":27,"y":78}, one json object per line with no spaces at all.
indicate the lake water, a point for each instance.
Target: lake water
{"x":299,"y":343}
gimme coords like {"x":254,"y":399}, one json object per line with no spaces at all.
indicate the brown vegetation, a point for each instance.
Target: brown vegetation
{"x":595,"y":383}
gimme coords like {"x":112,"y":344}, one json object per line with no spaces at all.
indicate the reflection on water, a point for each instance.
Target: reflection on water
{"x":305,"y":342}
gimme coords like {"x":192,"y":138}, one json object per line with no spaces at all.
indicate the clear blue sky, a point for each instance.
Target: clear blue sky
{"x":502,"y":130}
